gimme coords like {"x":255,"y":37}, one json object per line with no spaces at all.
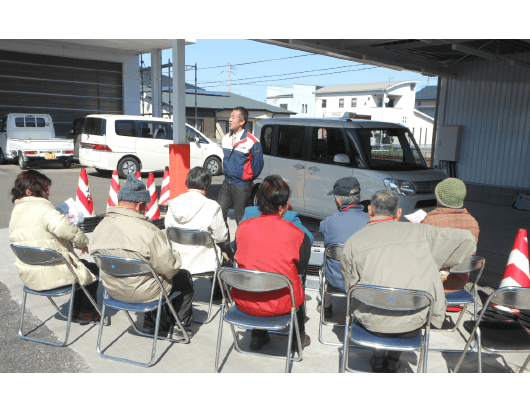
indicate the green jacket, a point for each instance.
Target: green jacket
{"x":402,"y":255}
{"x":123,"y":230}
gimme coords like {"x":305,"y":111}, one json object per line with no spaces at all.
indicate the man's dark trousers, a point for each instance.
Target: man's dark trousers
{"x":236,"y":196}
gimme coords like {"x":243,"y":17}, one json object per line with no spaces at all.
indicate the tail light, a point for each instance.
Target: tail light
{"x":68,"y":152}
{"x":102,"y":148}
{"x":31,"y":153}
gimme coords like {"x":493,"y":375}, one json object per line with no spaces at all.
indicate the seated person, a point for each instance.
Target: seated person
{"x":290,"y":215}
{"x":269,"y":244}
{"x":125,"y":232}
{"x":339,"y":227}
{"x":193,"y":210}
{"x":450,"y":195}
{"x":396,"y":254}
{"x":36,"y":223}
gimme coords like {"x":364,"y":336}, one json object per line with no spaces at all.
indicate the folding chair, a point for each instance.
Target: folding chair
{"x":40,"y":256}
{"x":197,"y":237}
{"x":464,"y":297}
{"x":333,"y":251}
{"x":256,"y":281}
{"x":128,"y":267}
{"x":500,"y":336}
{"x":390,"y":299}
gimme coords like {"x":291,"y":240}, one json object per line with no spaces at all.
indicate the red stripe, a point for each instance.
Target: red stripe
{"x":110,"y":202}
{"x":349,"y":206}
{"x":239,"y":143}
{"x":115,"y":186}
{"x":520,"y":244}
{"x":380,"y":220}
{"x":247,"y":171}
{"x":249,"y":135}
{"x":517,"y":275}
{"x":164,"y":189}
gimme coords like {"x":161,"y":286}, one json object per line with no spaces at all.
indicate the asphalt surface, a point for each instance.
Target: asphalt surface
{"x":22,"y":356}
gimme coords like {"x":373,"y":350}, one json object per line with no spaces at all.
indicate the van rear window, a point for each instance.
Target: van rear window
{"x":94,"y":126}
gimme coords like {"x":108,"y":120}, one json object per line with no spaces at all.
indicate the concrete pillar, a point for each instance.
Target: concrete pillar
{"x":179,"y":152}
{"x":156,"y":81}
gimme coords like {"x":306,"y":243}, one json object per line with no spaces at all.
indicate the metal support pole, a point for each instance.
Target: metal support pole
{"x":179,"y":92}
{"x":156,"y":81}
{"x":229,"y":76}
{"x":435,"y":126}
{"x":196,"y":125}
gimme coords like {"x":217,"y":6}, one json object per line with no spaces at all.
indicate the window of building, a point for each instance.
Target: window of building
{"x":304,"y":108}
{"x":390,"y":103}
{"x":224,"y":126}
{"x":324,"y":103}
{"x":249,"y":126}
{"x":341,"y":103}
{"x":284,"y":106}
{"x":125,"y":128}
{"x":419,"y":103}
{"x":354,"y":102}
{"x":200,"y":123}
{"x":291,"y":141}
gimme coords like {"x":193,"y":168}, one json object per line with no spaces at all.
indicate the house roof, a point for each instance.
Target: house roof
{"x":227,"y":101}
{"x":427,"y":110}
{"x":344,"y":88}
{"x":427,"y":93}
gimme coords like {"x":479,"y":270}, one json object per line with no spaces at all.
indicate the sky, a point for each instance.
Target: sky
{"x":213,"y":55}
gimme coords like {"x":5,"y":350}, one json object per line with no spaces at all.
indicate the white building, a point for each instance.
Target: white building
{"x":384,"y":101}
{"x":300,"y":98}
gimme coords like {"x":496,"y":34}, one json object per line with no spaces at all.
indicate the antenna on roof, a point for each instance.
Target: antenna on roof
{"x":390,"y":78}
{"x":428,"y":80}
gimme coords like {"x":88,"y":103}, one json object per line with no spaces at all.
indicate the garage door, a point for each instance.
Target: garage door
{"x":65,"y":88}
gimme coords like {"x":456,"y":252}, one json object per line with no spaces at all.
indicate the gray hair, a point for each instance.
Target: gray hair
{"x":349,"y":199}
{"x":385,"y":202}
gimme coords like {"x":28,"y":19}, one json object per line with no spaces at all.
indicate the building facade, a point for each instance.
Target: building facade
{"x":300,"y":98}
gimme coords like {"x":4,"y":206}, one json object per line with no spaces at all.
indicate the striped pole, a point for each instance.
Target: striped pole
{"x":114,"y":188}
{"x":164,"y":192}
{"x":138,"y":175}
{"x":84,"y":201}
{"x":153,"y":212}
{"x":517,"y":272}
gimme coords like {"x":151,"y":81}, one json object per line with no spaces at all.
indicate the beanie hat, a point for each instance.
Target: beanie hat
{"x":134,"y":190}
{"x":451,"y":193}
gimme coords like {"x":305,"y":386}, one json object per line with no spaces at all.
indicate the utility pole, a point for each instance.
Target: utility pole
{"x":228,"y":76}
{"x":196,"y":97}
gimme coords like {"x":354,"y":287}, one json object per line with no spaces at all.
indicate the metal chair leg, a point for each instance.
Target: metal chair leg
{"x":219,"y":336}
{"x":525,"y":364}
{"x":346,"y":345}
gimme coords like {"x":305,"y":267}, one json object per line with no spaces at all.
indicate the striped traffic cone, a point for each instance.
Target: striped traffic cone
{"x":153,"y":212}
{"x":138,"y":175}
{"x":164,"y":192}
{"x":84,"y":201}
{"x":114,"y":188}
{"x":517,"y":272}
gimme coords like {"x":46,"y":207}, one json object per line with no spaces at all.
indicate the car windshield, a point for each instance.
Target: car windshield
{"x":391,"y":149}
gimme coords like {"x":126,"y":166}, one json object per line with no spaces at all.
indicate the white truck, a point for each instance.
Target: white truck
{"x":31,"y":138}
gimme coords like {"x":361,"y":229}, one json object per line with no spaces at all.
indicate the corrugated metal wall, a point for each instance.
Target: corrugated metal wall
{"x":491,"y":100}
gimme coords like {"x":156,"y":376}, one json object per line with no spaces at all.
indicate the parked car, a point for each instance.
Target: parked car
{"x":31,"y":138}
{"x":312,"y":153}
{"x":129,"y":143}
{"x":75,"y":134}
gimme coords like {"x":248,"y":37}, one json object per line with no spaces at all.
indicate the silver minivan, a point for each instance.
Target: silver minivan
{"x":313,"y":153}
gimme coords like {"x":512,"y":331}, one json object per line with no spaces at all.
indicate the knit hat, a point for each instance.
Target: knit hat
{"x":451,"y":193}
{"x":134,"y":190}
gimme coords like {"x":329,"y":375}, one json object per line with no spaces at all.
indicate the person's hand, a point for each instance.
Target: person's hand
{"x":83,"y":250}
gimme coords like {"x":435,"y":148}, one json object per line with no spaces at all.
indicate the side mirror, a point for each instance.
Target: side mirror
{"x":341,"y":158}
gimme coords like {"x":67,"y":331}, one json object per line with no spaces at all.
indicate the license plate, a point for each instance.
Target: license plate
{"x":49,"y":156}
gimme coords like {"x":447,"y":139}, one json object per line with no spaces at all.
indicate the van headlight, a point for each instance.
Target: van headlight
{"x":402,"y":187}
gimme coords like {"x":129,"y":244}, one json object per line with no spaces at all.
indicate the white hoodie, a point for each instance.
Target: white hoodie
{"x":192,"y":210}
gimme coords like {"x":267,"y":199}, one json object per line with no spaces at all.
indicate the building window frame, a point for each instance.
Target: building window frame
{"x":341,"y":103}
{"x":354,"y":102}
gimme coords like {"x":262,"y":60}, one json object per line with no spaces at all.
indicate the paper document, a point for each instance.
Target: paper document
{"x":416,"y":217}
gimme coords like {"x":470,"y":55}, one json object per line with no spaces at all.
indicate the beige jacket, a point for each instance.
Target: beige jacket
{"x":192,"y":210}
{"x":35,"y":222}
{"x":125,"y":229}
{"x":403,"y":255}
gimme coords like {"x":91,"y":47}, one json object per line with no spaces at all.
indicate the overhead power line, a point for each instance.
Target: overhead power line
{"x":283,"y":74}
{"x":258,"y":61}
{"x":296,"y":77}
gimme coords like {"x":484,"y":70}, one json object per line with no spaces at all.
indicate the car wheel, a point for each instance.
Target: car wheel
{"x":22,"y":163}
{"x":126,"y":166}
{"x":2,"y":157}
{"x":67,"y":164}
{"x":213,"y":165}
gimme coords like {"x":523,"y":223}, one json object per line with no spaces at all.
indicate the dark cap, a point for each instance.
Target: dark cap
{"x":346,"y":186}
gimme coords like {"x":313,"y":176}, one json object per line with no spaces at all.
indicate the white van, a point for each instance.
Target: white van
{"x":130,"y":143}
{"x":313,"y":153}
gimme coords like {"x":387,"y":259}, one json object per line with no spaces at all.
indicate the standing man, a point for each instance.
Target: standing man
{"x":242,"y":164}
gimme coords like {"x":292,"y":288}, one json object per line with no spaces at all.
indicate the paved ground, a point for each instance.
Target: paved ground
{"x":20,"y":356}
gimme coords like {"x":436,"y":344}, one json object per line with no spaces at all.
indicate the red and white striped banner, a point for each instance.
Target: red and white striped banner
{"x":153,"y":211}
{"x":114,"y":188}
{"x":517,"y":272}
{"x":83,"y":200}
{"x":164,"y":192}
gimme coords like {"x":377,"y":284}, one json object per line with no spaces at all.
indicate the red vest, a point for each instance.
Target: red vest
{"x":269,"y":244}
